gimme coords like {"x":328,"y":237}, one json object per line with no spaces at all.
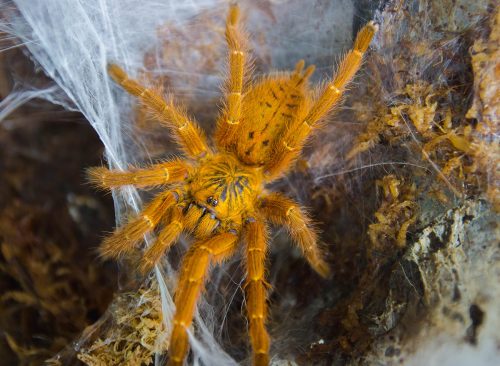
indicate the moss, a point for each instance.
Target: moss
{"x":133,"y":334}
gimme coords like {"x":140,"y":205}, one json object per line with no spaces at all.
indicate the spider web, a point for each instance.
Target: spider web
{"x":73,"y":41}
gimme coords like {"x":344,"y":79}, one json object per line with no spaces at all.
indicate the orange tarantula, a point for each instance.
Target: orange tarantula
{"x":218,"y":192}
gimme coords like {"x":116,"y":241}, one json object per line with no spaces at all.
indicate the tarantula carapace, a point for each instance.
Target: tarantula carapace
{"x":218,"y":193}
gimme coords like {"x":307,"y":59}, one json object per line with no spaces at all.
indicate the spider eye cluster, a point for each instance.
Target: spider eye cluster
{"x":212,"y":201}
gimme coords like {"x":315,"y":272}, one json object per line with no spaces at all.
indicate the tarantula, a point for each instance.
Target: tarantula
{"x":218,"y":192}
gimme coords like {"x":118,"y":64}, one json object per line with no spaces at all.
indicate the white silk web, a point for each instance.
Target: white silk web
{"x":73,"y":41}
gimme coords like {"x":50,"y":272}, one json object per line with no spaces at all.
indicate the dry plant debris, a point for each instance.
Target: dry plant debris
{"x":396,"y":214}
{"x":133,"y":334}
{"x":427,"y":113}
{"x":51,"y":285}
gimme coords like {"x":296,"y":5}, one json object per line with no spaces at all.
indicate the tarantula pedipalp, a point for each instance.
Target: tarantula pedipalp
{"x":218,"y":194}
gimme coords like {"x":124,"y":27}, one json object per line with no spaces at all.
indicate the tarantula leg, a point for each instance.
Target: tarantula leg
{"x":296,"y":135}
{"x":124,"y":238}
{"x":155,"y":175}
{"x":227,"y":124}
{"x":255,"y":287}
{"x":193,"y":272}
{"x":281,"y":210}
{"x":168,"y":235}
{"x":299,"y":76}
{"x":187,"y":133}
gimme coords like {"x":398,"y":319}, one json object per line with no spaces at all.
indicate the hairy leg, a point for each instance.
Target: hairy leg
{"x":186,"y":132}
{"x":227,"y":124}
{"x":193,"y":272}
{"x":152,"y":176}
{"x":300,"y":75}
{"x":167,"y":236}
{"x":124,"y":239}
{"x":256,"y":292}
{"x":295,"y":137}
{"x":283,"y":211}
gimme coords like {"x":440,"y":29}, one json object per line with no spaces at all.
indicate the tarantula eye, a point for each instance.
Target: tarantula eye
{"x":215,"y":202}
{"x":210,"y":199}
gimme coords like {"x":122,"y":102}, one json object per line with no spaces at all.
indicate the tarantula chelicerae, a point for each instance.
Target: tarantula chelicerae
{"x":218,"y":193}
